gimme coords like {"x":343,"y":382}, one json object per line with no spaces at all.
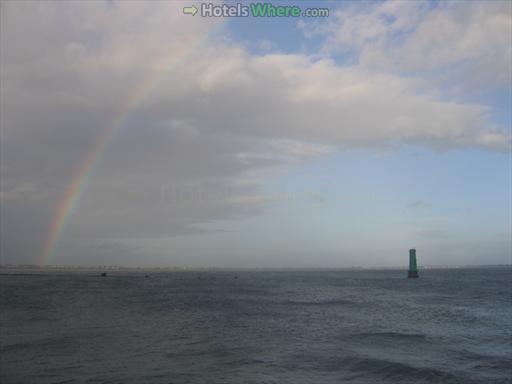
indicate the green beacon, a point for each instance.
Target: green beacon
{"x":413,"y":268}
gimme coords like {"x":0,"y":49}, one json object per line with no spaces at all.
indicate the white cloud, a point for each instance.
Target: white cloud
{"x":470,"y":40}
{"x":298,"y":98}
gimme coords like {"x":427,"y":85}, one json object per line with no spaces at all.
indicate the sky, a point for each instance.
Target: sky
{"x":133,"y":134}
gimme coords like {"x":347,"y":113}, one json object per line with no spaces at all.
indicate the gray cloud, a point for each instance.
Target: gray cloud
{"x":420,"y":204}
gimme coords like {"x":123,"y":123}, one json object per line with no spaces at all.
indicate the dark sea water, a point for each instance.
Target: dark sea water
{"x":448,"y":326}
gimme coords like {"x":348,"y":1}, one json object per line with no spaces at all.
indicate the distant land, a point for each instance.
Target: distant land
{"x":30,"y":267}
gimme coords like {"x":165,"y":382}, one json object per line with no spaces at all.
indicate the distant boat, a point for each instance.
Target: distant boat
{"x":103,"y":274}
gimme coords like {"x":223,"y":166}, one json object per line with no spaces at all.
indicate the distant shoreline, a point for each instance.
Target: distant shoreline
{"x":6,"y":269}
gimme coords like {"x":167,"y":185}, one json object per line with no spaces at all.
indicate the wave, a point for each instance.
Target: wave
{"x":394,"y":336}
{"x":322,"y":302}
{"x":396,"y":372}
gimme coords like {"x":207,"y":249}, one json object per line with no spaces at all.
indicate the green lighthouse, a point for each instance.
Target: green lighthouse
{"x":413,"y":268}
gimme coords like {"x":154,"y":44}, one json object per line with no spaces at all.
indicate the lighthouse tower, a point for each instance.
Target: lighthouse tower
{"x":413,"y":268}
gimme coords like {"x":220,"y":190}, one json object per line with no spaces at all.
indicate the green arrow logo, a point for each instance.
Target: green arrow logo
{"x":190,"y":10}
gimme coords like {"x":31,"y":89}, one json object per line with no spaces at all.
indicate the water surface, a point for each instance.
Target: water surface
{"x":448,"y":326}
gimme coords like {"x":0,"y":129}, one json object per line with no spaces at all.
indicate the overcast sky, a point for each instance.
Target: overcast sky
{"x":253,"y":142}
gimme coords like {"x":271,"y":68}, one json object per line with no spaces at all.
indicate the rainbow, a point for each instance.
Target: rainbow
{"x":67,"y":204}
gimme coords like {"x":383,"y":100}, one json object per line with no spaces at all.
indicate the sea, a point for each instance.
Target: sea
{"x":325,"y":326}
